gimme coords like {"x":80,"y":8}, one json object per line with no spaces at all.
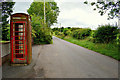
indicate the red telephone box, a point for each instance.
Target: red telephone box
{"x":21,"y":50}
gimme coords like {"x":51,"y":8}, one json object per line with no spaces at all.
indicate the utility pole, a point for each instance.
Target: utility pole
{"x":60,"y":27}
{"x":44,"y":13}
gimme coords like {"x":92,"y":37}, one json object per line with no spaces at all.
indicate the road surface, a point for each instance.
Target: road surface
{"x":65,"y":60}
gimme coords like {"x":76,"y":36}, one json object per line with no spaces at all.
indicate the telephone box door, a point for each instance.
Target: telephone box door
{"x":18,"y":42}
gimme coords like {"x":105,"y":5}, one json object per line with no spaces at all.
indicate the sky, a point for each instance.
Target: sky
{"x":73,"y":13}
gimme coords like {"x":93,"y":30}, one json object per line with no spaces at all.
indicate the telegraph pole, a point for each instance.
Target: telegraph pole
{"x":60,"y":27}
{"x":44,"y":13}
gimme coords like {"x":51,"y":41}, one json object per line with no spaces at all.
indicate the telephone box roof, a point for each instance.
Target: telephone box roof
{"x":20,"y":13}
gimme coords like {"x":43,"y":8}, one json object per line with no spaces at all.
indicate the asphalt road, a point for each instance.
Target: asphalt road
{"x":64,"y":60}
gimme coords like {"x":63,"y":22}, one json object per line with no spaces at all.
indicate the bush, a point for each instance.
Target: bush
{"x":65,"y":30}
{"x":43,"y":36}
{"x":68,"y":32}
{"x":55,"y":29}
{"x":5,"y":32}
{"x":105,"y":34}
{"x":81,"y":33}
{"x":62,"y":29}
{"x":56,"y":32}
{"x":118,"y":38}
{"x":60,"y":34}
{"x":75,"y":28}
{"x":8,"y":32}
{"x":33,"y":33}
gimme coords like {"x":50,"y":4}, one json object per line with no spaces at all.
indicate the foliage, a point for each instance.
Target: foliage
{"x":62,"y":29}
{"x":81,"y":33}
{"x":41,"y":31}
{"x":108,"y":49}
{"x":75,"y":28}
{"x":105,"y":34}
{"x":69,"y":27}
{"x":36,"y":21}
{"x":43,"y":36}
{"x":33,"y":33}
{"x":56,"y":32}
{"x":65,"y":31}
{"x":107,"y":5}
{"x":6,"y":11}
{"x":68,"y":33}
{"x":8,"y":28}
{"x":60,"y":34}
{"x":118,"y":38}
{"x":56,"y":29}
{"x":51,"y":11}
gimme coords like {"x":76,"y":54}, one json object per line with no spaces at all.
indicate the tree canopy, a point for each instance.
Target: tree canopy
{"x":6,"y":12}
{"x":41,"y":31}
{"x":51,"y":12}
{"x":112,"y":6}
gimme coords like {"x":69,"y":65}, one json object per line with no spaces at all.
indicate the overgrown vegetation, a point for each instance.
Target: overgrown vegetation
{"x":43,"y":36}
{"x":81,"y":33}
{"x":104,"y":40}
{"x":106,"y":34}
{"x":41,"y":31}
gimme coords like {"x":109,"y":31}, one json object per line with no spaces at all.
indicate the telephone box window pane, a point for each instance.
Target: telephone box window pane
{"x":19,"y":51}
{"x":19,"y":47}
{"x":20,"y":34}
{"x":19,"y":38}
{"x":19,"y":55}
{"x":13,"y":29}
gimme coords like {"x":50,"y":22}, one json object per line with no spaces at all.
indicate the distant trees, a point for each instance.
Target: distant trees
{"x":78,"y":33}
{"x":103,"y":34}
{"x":6,"y":12}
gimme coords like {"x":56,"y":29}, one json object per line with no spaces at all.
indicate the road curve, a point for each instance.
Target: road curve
{"x":66,"y":60}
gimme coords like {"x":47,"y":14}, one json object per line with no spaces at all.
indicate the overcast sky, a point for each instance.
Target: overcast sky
{"x":73,"y":13}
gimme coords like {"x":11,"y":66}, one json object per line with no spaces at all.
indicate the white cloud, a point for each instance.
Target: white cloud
{"x":22,"y":0}
{"x":79,"y":14}
{"x":72,"y":13}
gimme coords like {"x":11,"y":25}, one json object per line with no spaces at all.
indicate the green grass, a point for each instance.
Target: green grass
{"x":4,"y":41}
{"x":110,"y":49}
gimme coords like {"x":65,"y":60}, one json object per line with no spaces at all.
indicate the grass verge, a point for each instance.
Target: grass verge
{"x":4,"y":41}
{"x":110,"y":49}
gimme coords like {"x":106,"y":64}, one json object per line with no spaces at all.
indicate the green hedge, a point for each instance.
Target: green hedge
{"x":105,"y":34}
{"x":81,"y":33}
{"x":43,"y":36}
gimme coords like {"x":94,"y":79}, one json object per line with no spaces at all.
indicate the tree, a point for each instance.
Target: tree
{"x":112,"y":6}
{"x":52,"y":11}
{"x":6,"y":11}
{"x":42,"y":31}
